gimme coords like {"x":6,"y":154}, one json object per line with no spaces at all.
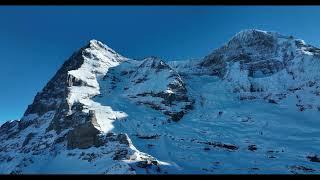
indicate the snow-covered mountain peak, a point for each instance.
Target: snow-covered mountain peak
{"x":154,"y":63}
{"x":265,"y":44}
{"x":254,"y":46}
{"x":96,"y":50}
{"x":253,"y":39}
{"x":256,"y":98}
{"x":261,"y":64}
{"x":151,"y":59}
{"x":98,"y":44}
{"x":243,"y":34}
{"x":249,"y":35}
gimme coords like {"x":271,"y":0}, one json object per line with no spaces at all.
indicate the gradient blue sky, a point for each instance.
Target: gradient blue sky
{"x":36,"y":40}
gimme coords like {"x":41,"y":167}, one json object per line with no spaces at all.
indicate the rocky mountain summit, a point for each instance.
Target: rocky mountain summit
{"x":251,"y":106}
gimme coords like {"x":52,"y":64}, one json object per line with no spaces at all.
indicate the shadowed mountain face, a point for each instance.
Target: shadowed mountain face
{"x":251,"y":106}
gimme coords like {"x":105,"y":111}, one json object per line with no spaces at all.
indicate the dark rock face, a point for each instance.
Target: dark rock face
{"x":300,"y":44}
{"x":148,"y":163}
{"x":177,"y":116}
{"x":144,"y":164}
{"x":252,"y":147}
{"x":8,"y":125}
{"x":120,"y":154}
{"x":220,"y":145}
{"x":260,"y":41}
{"x":314,"y":158}
{"x":264,"y":68}
{"x":155,"y":63}
{"x":240,"y":48}
{"x":53,"y":96}
{"x":168,"y":98}
{"x":295,"y":169}
{"x":62,"y":120}
{"x":156,"y":136}
{"x":123,"y":139}
{"x":57,"y":88}
{"x":73,"y":81}
{"x":216,"y":64}
{"x":83,"y":137}
{"x":8,"y":128}
{"x":86,"y":134}
{"x":28,"y":138}
{"x":174,"y":94}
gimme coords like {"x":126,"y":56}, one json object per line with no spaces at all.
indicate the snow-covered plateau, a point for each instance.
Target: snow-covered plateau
{"x":252,"y":106}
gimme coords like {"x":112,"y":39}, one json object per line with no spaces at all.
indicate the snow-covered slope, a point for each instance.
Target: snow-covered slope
{"x":259,"y":64}
{"x":251,"y":106}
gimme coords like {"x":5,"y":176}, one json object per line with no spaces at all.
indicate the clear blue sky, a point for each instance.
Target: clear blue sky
{"x":36,"y":40}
